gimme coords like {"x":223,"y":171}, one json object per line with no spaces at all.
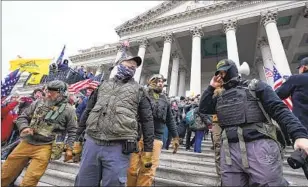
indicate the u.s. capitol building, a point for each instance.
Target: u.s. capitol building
{"x":183,"y":40}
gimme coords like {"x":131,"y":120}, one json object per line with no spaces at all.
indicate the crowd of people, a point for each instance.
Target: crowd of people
{"x":118,"y":129}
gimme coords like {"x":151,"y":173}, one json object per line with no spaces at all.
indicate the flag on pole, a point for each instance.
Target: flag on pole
{"x":268,"y":72}
{"x":96,"y":80}
{"x":76,"y":87}
{"x":9,"y":83}
{"x":278,"y":80}
{"x":92,"y":82}
{"x":60,"y":58}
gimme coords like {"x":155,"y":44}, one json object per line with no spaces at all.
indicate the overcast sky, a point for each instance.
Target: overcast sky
{"x":39,"y":29}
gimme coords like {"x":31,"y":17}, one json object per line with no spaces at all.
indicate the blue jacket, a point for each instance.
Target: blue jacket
{"x":272,"y":105}
{"x":297,"y":87}
{"x":81,"y":107}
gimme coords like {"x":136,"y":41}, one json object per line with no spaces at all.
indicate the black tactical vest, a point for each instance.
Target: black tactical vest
{"x":160,"y":107}
{"x":237,"y":106}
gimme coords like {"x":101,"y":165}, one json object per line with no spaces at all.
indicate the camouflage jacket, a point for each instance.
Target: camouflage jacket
{"x":66,"y":121}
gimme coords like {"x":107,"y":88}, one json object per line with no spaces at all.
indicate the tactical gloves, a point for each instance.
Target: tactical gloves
{"x":175,"y":144}
{"x":146,"y":159}
{"x":77,"y":148}
{"x":68,"y":157}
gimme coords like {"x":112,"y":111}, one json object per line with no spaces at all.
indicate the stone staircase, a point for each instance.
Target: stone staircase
{"x":182,"y":169}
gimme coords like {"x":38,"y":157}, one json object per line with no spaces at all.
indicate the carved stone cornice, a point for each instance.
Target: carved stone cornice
{"x":175,"y":55}
{"x":196,"y":31}
{"x":154,"y":12}
{"x":258,"y":61}
{"x":262,"y":42}
{"x":168,"y":37}
{"x":94,"y":55}
{"x":268,"y":17}
{"x":143,"y":43}
{"x":306,"y":10}
{"x":216,"y":7}
{"x":229,"y":25}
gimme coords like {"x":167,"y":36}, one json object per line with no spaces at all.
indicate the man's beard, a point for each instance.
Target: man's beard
{"x":50,"y":102}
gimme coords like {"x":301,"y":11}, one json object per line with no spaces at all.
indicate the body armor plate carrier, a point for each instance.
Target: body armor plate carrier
{"x":44,"y":124}
{"x":237,"y":106}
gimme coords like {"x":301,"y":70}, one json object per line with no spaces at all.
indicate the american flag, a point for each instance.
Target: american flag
{"x":9,"y":83}
{"x":268,"y":72}
{"x":60,"y":58}
{"x":93,"y":82}
{"x":278,"y":80}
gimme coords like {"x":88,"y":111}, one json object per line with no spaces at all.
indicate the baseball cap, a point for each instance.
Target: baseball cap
{"x":223,"y":65}
{"x":303,"y":62}
{"x":137,"y":59}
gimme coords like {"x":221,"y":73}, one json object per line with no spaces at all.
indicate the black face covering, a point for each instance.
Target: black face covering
{"x":232,"y":77}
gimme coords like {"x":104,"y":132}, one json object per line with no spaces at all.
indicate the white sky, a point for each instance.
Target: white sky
{"x":39,"y":29}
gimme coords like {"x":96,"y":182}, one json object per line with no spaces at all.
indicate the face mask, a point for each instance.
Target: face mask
{"x":125,"y":72}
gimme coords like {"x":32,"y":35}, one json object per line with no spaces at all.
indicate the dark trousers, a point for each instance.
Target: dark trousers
{"x":198,"y":141}
{"x":102,"y":163}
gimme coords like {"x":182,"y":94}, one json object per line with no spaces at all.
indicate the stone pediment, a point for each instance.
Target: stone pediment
{"x":170,"y":12}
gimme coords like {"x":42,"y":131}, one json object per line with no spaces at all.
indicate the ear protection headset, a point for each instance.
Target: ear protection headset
{"x":63,"y":90}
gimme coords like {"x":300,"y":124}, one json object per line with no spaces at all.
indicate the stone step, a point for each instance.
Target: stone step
{"x":164,"y":176}
{"x":205,"y":162}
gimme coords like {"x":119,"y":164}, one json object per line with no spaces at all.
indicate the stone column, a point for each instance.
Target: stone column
{"x":143,"y":80}
{"x":142,"y":47}
{"x":119,"y":54}
{"x":195,"y":77}
{"x":182,"y":82}
{"x":266,"y":57}
{"x":174,"y":74}
{"x":268,"y":19}
{"x":164,"y":66}
{"x":259,"y":66}
{"x":229,"y":28}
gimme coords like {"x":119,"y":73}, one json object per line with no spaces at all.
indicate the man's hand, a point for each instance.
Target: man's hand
{"x":301,"y":143}
{"x":68,"y":156}
{"x":26,"y":131}
{"x":77,"y":148}
{"x":146,"y":159}
{"x":216,"y":81}
{"x":175,"y":144}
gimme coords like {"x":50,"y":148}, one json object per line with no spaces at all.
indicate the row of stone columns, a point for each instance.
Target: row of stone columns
{"x":271,"y":52}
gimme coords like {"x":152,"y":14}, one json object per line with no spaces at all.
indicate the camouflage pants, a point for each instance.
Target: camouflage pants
{"x":217,"y":141}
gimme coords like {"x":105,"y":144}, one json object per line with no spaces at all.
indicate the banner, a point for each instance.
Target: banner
{"x":35,"y":79}
{"x":31,"y":65}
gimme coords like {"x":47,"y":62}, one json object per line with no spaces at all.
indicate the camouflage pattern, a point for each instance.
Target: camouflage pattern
{"x":217,"y":144}
{"x":57,"y":150}
{"x":42,"y":124}
{"x":38,"y":122}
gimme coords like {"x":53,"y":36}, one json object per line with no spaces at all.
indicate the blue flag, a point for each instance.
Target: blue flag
{"x":60,"y":58}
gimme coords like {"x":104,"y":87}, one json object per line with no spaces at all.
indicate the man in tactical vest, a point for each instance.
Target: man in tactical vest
{"x":140,"y":176}
{"x":43,"y":126}
{"x":116,"y":109}
{"x":250,"y":152}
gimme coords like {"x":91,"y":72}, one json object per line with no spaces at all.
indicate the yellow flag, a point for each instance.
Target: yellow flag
{"x":31,"y":65}
{"x":35,"y":79}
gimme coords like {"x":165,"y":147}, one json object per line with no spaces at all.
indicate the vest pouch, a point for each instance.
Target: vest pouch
{"x":44,"y":129}
{"x":57,"y":150}
{"x":124,"y":122}
{"x":161,"y":110}
{"x":93,"y":119}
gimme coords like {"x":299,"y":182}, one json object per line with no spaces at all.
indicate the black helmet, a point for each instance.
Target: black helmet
{"x":57,"y":85}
